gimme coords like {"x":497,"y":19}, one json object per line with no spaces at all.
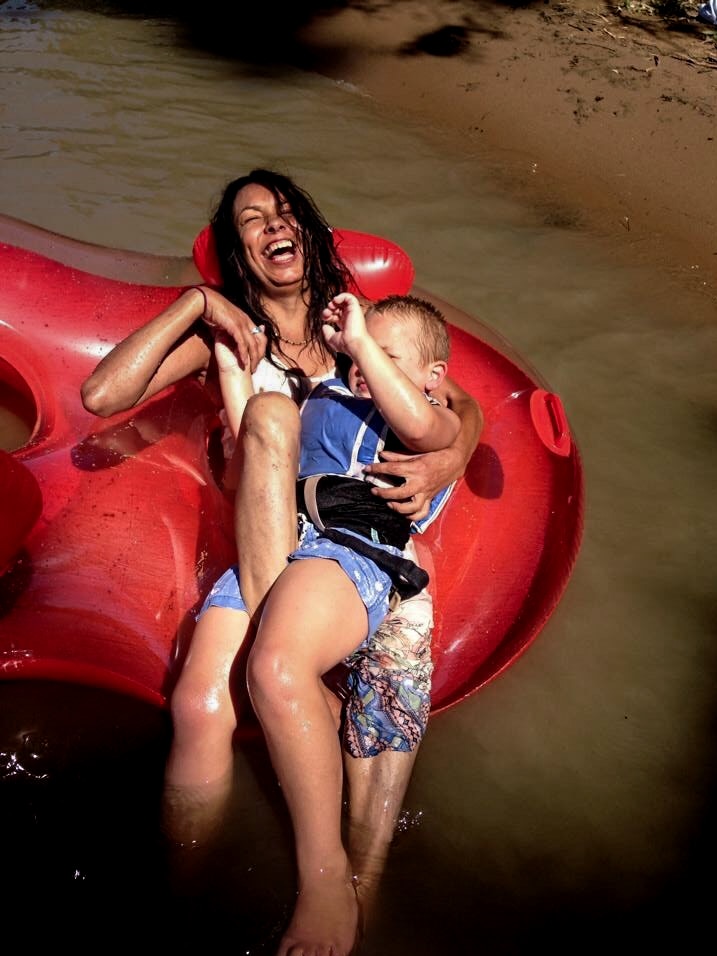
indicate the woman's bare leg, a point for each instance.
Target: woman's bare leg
{"x":312,"y":618}
{"x":265,"y":531}
{"x":265,"y":504}
{"x":266,"y":467}
{"x":198,"y":773}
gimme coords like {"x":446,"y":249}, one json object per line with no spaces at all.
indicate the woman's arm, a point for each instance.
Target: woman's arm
{"x":425,"y":475}
{"x":160,"y":353}
{"x":169,"y":347}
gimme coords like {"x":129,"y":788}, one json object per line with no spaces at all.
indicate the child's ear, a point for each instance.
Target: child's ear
{"x":436,"y":373}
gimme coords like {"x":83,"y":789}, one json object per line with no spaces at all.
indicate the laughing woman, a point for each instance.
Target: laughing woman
{"x":279,"y":271}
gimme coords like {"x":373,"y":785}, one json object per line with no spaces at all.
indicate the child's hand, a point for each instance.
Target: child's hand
{"x":344,"y":322}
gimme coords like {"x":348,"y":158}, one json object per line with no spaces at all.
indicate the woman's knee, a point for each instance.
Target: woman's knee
{"x":200,"y":710}
{"x":263,"y":673}
{"x":272,"y":676}
{"x":271,"y":420}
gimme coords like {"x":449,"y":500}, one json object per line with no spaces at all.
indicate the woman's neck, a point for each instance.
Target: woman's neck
{"x":313,"y":360}
{"x":289,"y":314}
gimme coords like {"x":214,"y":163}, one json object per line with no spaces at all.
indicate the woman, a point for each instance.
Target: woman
{"x":280,"y":270}
{"x":335,"y":589}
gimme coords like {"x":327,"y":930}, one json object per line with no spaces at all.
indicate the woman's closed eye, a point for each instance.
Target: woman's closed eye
{"x":245,"y":220}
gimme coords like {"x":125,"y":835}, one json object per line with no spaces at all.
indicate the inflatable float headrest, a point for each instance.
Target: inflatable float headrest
{"x":379,"y":267}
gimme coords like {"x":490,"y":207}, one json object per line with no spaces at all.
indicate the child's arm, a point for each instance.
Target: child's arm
{"x":419,"y":424}
{"x":425,"y":475}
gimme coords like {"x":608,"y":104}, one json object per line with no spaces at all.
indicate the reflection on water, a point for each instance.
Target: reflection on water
{"x":570,"y":802}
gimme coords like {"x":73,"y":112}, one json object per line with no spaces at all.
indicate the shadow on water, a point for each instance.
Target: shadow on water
{"x":85,"y":862}
{"x":270,"y":34}
{"x":78,"y":798}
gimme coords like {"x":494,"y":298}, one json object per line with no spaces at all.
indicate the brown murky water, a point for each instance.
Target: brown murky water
{"x":570,"y":803}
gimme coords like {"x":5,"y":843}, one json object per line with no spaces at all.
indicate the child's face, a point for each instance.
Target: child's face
{"x":397,"y":339}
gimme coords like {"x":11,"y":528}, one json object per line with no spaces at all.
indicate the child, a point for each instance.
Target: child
{"x":343,"y":429}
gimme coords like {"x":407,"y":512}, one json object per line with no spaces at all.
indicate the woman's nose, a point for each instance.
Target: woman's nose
{"x":275,"y":222}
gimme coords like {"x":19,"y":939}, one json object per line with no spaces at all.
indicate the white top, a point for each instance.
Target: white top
{"x":269,"y":378}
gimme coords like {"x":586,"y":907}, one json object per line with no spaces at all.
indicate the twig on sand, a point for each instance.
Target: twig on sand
{"x":691,"y":62}
{"x":600,"y":46}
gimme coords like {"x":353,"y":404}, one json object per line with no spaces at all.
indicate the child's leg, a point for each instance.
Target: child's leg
{"x":386,"y":716}
{"x":198,"y":772}
{"x":312,"y":619}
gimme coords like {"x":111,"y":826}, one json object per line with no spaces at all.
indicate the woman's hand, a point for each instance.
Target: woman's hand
{"x":221,"y":315}
{"x":425,"y":475}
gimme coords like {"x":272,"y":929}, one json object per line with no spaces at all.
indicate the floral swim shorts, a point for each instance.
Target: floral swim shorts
{"x":389,"y":683}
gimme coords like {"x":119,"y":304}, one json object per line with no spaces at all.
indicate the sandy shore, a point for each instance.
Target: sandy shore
{"x":603,"y":122}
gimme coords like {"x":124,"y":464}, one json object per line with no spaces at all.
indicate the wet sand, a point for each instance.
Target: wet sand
{"x":604,"y":122}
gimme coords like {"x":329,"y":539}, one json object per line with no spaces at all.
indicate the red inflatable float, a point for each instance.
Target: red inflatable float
{"x":114,"y":530}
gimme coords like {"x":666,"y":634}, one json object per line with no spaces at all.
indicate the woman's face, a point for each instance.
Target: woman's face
{"x":269,"y":235}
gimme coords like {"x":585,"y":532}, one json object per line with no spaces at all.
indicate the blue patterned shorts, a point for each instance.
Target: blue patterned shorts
{"x":372,"y":584}
{"x":387,"y":689}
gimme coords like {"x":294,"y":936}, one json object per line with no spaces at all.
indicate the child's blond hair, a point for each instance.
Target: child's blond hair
{"x":431,"y":332}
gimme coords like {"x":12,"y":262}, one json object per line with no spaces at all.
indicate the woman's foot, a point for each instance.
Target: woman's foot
{"x":191,"y":816}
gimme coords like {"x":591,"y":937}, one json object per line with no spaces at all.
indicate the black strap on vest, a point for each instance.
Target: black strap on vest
{"x":336,"y":501}
{"x":407,"y":577}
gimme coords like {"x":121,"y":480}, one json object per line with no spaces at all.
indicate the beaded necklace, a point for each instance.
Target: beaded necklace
{"x":291,"y":341}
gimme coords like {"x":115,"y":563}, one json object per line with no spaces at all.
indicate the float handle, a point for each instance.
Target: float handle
{"x":550,"y":421}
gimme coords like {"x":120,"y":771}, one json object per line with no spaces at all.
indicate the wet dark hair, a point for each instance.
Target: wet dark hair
{"x":325,"y":275}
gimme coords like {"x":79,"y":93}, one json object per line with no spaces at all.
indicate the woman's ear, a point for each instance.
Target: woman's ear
{"x":437,"y":371}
